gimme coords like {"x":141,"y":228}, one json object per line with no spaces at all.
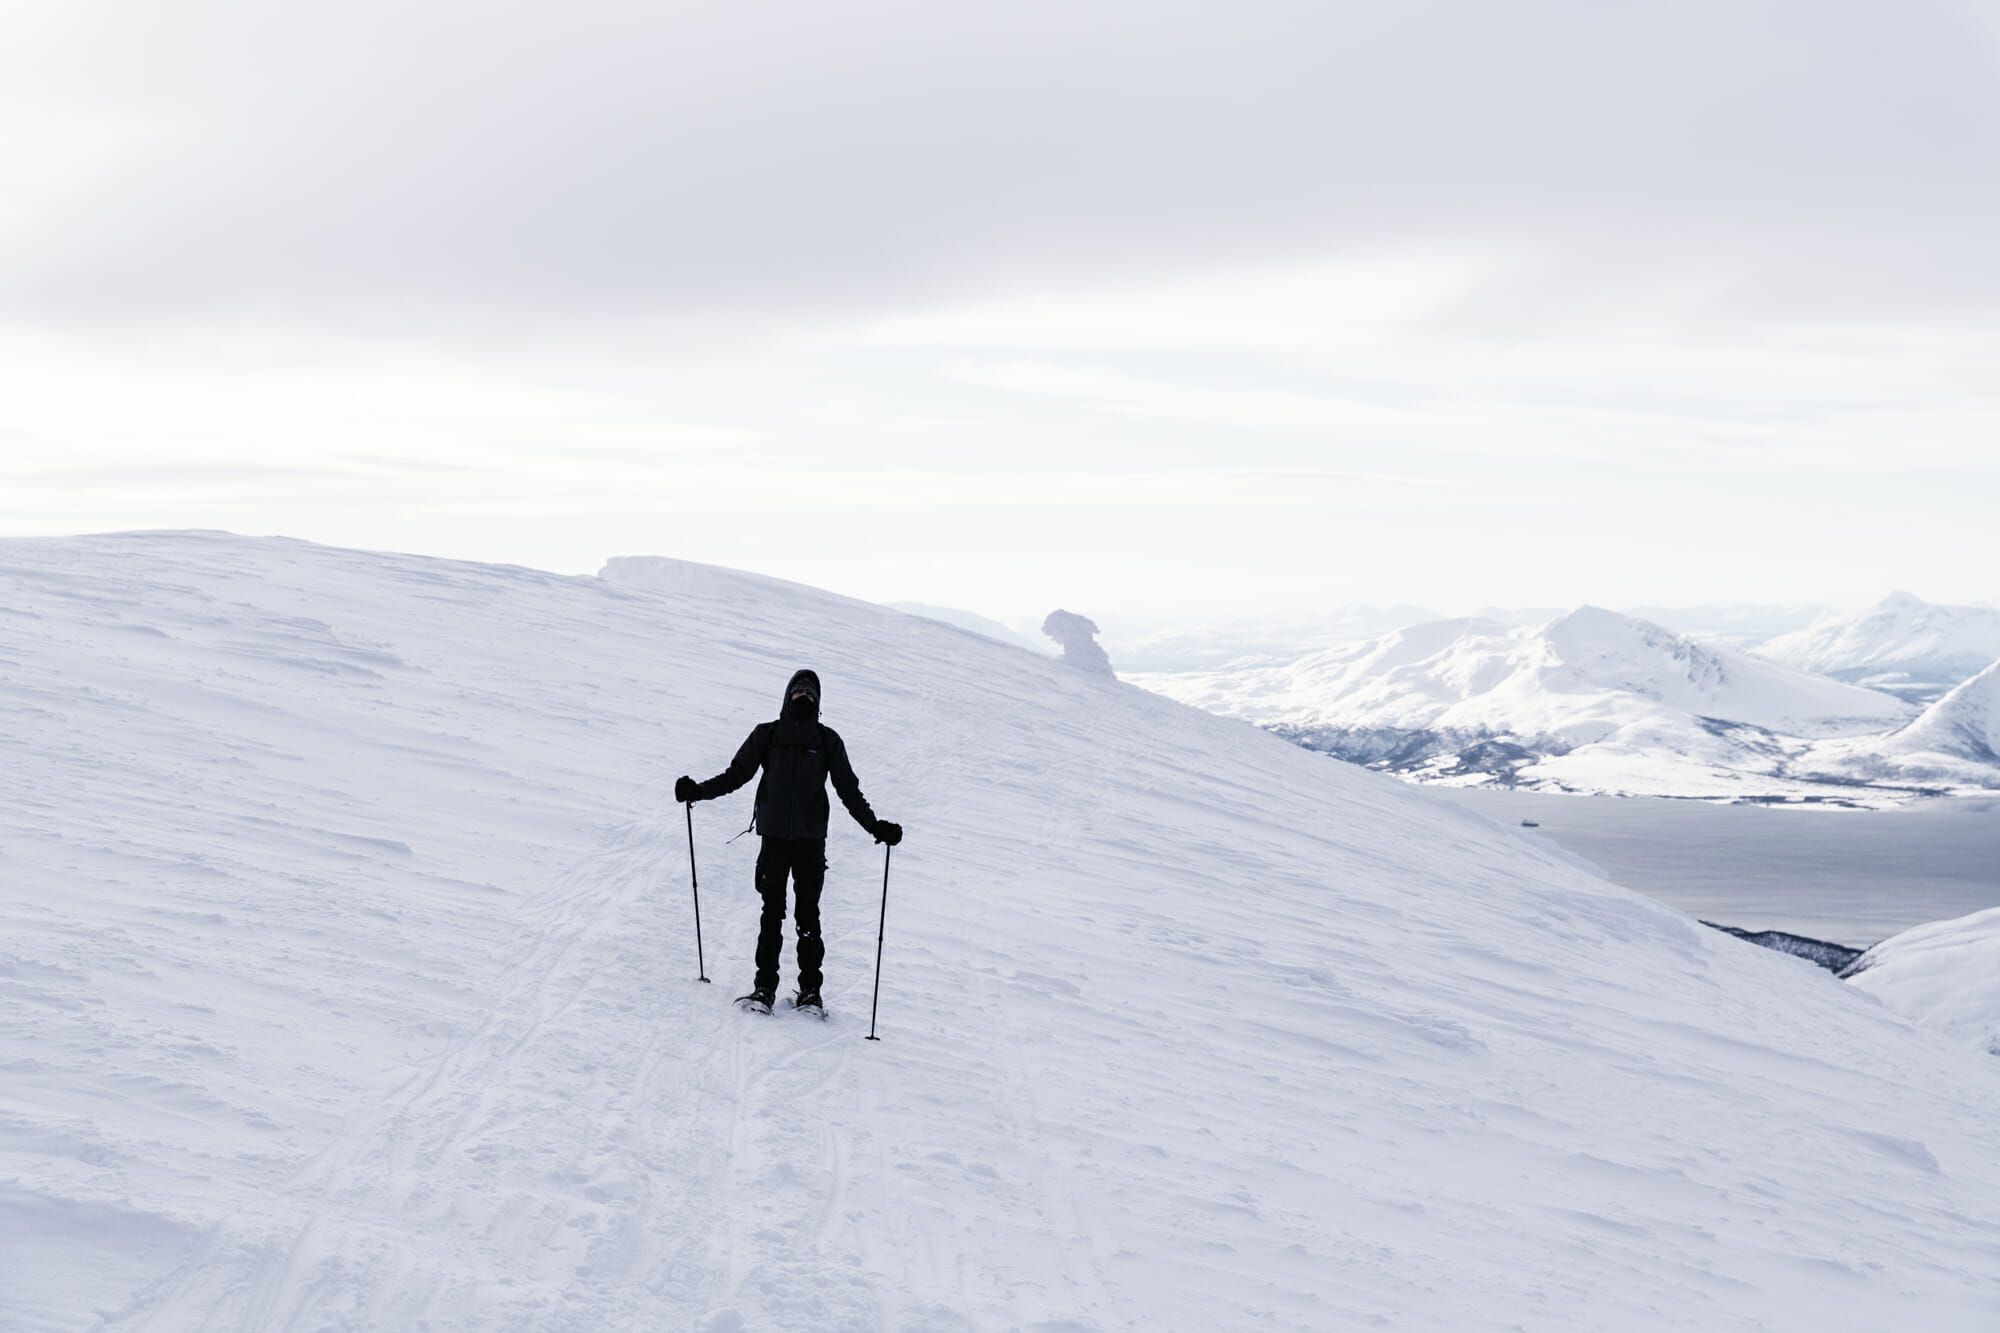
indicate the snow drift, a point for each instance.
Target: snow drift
{"x":348,"y":983}
{"x":1591,"y":701}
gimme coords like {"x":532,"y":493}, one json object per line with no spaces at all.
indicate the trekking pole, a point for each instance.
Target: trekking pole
{"x":700,"y":963}
{"x":875,"y":1003}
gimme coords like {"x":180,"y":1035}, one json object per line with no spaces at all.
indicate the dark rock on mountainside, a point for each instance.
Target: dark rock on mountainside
{"x":1833,"y":957}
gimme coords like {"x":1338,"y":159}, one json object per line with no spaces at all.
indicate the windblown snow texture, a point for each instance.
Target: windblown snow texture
{"x":347,"y":981}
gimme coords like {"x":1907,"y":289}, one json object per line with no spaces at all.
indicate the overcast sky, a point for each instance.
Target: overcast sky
{"x":1142,"y":308}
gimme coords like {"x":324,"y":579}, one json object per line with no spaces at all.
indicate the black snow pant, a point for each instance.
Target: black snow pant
{"x":804,"y":859}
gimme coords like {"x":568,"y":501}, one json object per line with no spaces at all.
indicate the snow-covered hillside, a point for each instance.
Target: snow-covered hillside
{"x":1592,"y":701}
{"x":1964,"y":725}
{"x":1955,"y":741}
{"x":1905,"y":645}
{"x":1945,"y":975}
{"x":347,"y":982}
{"x":967,"y":620}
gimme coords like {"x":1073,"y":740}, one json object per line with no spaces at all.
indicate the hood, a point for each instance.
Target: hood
{"x":809,"y":678}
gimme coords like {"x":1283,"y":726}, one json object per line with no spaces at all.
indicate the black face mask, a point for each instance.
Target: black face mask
{"x":801,"y":708}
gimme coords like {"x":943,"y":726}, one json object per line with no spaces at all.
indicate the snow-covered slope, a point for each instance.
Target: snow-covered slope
{"x":1945,"y":975}
{"x":1956,"y":741}
{"x":1965,"y":724}
{"x":1592,"y":701}
{"x":1905,"y":645}
{"x":971,"y":621}
{"x":347,"y":982}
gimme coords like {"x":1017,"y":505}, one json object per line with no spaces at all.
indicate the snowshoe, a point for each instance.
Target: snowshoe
{"x":760,"y":1000}
{"x":808,"y":1000}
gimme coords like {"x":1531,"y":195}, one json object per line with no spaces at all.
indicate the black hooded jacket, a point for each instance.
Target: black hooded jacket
{"x":798,"y":754}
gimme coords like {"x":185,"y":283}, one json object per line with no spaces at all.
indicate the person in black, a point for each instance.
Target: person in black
{"x":798,"y":753}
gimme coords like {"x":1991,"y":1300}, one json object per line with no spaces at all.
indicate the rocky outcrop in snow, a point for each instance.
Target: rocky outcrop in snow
{"x":1822,"y":953}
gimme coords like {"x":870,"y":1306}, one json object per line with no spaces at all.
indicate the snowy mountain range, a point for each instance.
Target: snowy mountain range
{"x":348,"y":974}
{"x":1903,"y":645}
{"x":1592,"y":701}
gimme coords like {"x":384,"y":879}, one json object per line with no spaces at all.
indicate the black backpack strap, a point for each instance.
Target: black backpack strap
{"x":763,"y":761}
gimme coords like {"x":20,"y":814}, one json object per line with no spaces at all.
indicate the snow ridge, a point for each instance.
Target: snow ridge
{"x":348,"y":982}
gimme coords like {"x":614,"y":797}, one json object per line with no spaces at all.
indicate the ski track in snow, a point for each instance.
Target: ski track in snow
{"x":347,"y":982}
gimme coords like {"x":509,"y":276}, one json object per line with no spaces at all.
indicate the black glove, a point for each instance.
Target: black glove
{"x":887,"y":832}
{"x":686,"y":789}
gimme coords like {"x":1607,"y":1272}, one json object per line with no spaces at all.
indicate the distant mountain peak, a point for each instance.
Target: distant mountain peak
{"x":1590,"y":616}
{"x":1903,"y":644}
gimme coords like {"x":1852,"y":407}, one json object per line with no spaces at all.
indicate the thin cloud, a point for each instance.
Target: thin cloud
{"x":1516,"y":431}
{"x":442,"y":160}
{"x":710,"y":489}
{"x":1525,"y":296}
